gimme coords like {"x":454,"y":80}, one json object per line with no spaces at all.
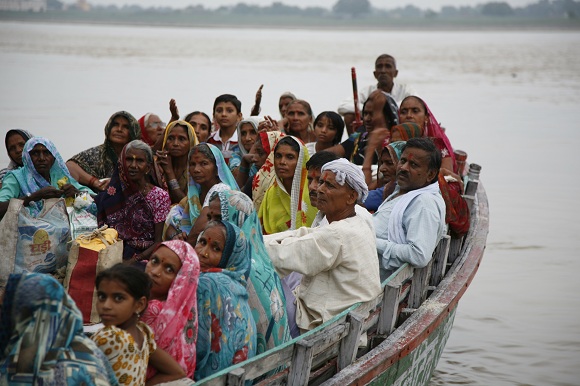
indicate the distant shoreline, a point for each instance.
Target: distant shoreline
{"x":508,"y":24}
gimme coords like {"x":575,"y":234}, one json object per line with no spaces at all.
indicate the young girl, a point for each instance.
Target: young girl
{"x":122,"y":293}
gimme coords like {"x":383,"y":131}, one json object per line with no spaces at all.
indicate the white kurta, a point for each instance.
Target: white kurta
{"x":399,"y":92}
{"x":338,"y":262}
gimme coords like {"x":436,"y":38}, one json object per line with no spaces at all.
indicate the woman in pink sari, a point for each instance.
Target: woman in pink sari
{"x":172,"y":311}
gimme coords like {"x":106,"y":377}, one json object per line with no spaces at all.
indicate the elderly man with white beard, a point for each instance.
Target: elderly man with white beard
{"x":338,"y":261}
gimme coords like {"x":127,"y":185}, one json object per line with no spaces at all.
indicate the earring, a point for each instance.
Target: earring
{"x":138,"y":315}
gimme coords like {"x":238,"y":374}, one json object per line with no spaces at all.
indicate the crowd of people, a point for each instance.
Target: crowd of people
{"x":239,"y":233}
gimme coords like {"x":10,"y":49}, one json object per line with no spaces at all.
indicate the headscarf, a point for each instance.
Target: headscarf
{"x":174,"y":321}
{"x":183,"y":216}
{"x":282,"y":210}
{"x":408,"y":130}
{"x":254,"y":121}
{"x":265,"y":177}
{"x":266,"y":295}
{"x":182,"y":180}
{"x":25,"y":135}
{"x":350,"y":173}
{"x":395,"y":149}
{"x":433,"y":129}
{"x":125,"y":208}
{"x":143,"y":121}
{"x":42,"y":339}
{"x":109,"y":157}
{"x":227,"y":332}
{"x":30,"y":180}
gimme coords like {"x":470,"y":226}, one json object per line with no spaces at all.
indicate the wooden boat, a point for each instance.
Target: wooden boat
{"x":404,"y":329}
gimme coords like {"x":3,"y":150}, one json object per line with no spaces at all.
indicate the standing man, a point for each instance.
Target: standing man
{"x":411,"y":221}
{"x":385,"y":74}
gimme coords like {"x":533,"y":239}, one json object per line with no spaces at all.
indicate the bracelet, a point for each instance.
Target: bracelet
{"x":172,"y":236}
{"x":243,"y":169}
{"x":92,"y":181}
{"x":137,"y":257}
{"x":173,"y":184}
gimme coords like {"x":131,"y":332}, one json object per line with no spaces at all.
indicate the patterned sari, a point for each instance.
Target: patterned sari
{"x":42,"y":340}
{"x":100,"y":161}
{"x":265,"y":177}
{"x":183,"y":216}
{"x":174,"y":321}
{"x":26,"y":180}
{"x":227,"y":332}
{"x":124,"y":207}
{"x":281,"y":210}
{"x":266,"y":295}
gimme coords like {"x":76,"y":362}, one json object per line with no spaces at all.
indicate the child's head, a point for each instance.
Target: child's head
{"x":211,"y":244}
{"x":227,"y":111}
{"x":122,"y":293}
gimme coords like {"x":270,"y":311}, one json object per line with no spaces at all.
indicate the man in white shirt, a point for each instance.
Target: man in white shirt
{"x":338,"y":261}
{"x":385,"y":74}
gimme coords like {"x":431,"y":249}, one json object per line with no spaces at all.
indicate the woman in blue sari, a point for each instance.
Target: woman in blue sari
{"x":226,"y":332}
{"x":43,"y":175}
{"x":42,"y":340}
{"x":266,"y":295}
{"x":208,"y":173}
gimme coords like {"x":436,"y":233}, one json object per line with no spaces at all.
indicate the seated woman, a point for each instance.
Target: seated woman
{"x":43,"y":175}
{"x":266,"y":295}
{"x":132,"y":205}
{"x":15,"y":140}
{"x":387,"y":172}
{"x":328,"y":129}
{"x":33,"y":350}
{"x":286,"y":204}
{"x":94,"y":167}
{"x":201,"y":123}
{"x":171,"y":162}
{"x":172,"y":310}
{"x":264,"y":162}
{"x":208,"y":172}
{"x":247,"y":135}
{"x":227,"y":332}
{"x":152,"y":127}
{"x":299,"y":115}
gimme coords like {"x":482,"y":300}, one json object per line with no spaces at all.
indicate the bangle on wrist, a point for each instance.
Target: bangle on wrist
{"x":92,"y":181}
{"x":172,"y":236}
{"x":173,"y":184}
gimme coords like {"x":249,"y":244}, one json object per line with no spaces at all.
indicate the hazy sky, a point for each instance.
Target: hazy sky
{"x":387,"y":4}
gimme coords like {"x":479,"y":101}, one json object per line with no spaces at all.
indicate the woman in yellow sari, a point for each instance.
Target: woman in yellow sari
{"x":286,"y":204}
{"x":172,"y":163}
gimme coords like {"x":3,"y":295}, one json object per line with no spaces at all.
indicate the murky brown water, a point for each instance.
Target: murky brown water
{"x":510,"y":99}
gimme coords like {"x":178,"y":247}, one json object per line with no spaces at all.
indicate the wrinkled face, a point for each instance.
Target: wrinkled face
{"x":385,"y":71}
{"x":15,"y":145}
{"x":162,"y":268}
{"x":210,"y":246}
{"x":201,"y":168}
{"x":313,"y":180}
{"x":215,"y":210}
{"x":285,"y":161}
{"x":226,"y":115}
{"x":115,"y":305}
{"x":248,"y":136}
{"x":334,"y":198}
{"x":201,"y":126}
{"x":412,"y":110}
{"x":137,"y":165}
{"x":324,"y":130}
{"x":177,"y":144}
{"x":367,"y":115}
{"x":413,"y":170}
{"x":42,"y":159}
{"x":282,"y":104}
{"x":155,"y":127}
{"x":120,"y":130}
{"x":298,"y":117}
{"x":387,"y":167}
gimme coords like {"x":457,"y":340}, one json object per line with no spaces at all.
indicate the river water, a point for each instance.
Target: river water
{"x":510,"y":99}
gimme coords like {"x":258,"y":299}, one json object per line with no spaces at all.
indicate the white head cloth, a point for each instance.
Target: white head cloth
{"x":350,"y":173}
